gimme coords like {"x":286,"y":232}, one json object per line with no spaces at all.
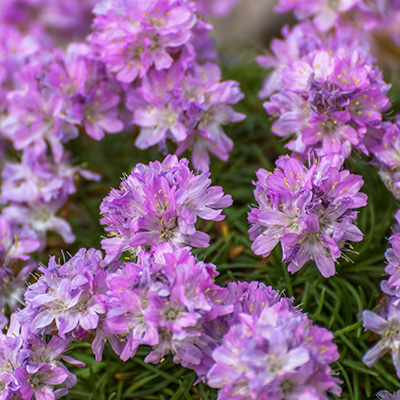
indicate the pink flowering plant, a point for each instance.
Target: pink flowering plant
{"x":181,"y":218}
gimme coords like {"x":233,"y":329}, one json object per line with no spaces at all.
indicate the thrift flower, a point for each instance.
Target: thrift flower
{"x":324,"y":95}
{"x":387,"y":325}
{"x":310,"y":211}
{"x":276,"y":353}
{"x":160,"y":203}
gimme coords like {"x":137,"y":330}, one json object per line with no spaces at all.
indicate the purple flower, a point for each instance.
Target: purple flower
{"x":310,"y":211}
{"x":40,"y":217}
{"x":68,"y":298}
{"x":166,"y":299}
{"x":139,"y":36}
{"x":160,"y":203}
{"x":31,"y":366}
{"x":275,"y":353}
{"x":385,"y":395}
{"x":188,"y":107}
{"x":38,"y":179}
{"x":324,"y":95}
{"x":387,"y":326}
{"x":41,"y":382}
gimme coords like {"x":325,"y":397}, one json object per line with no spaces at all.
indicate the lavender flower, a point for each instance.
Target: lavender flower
{"x":385,"y":395}
{"x":32,"y":367}
{"x":166,"y":300}
{"x":276,"y":353}
{"x":160,"y":203}
{"x":325,"y":95}
{"x":67,"y":298}
{"x":141,"y":36}
{"x":188,"y":107}
{"x":387,"y":326}
{"x":310,"y":211}
{"x":40,"y":383}
{"x":163,"y":47}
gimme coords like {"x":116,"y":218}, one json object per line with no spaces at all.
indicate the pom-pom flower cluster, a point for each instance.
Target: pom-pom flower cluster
{"x":160,"y":203}
{"x":311,"y":211}
{"x":275,"y":353}
{"x":329,"y":94}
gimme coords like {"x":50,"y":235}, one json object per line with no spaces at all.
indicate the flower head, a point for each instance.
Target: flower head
{"x":160,"y":203}
{"x":166,"y":300}
{"x":276,"y":353}
{"x":325,"y":96}
{"x":309,"y":210}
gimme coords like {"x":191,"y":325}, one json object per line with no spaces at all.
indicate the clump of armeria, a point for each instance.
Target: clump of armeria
{"x":166,"y":299}
{"x":274,"y":351}
{"x":160,"y":203}
{"x":68,"y":299}
{"x":325,"y":95}
{"x":310,"y":211}
{"x":31,"y":365}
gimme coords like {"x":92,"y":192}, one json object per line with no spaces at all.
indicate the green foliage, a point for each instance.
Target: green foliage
{"x":335,"y":303}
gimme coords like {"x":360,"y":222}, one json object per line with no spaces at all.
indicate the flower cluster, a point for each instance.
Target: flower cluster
{"x":34,"y":115}
{"x":162,"y":296}
{"x":325,"y":95}
{"x":48,"y":96}
{"x":166,"y":300}
{"x":274,"y":353}
{"x":162,"y":47}
{"x":160,"y":203}
{"x":33,"y":191}
{"x":55,"y":95}
{"x":32,"y":366}
{"x":66,"y":298}
{"x":311,"y":211}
